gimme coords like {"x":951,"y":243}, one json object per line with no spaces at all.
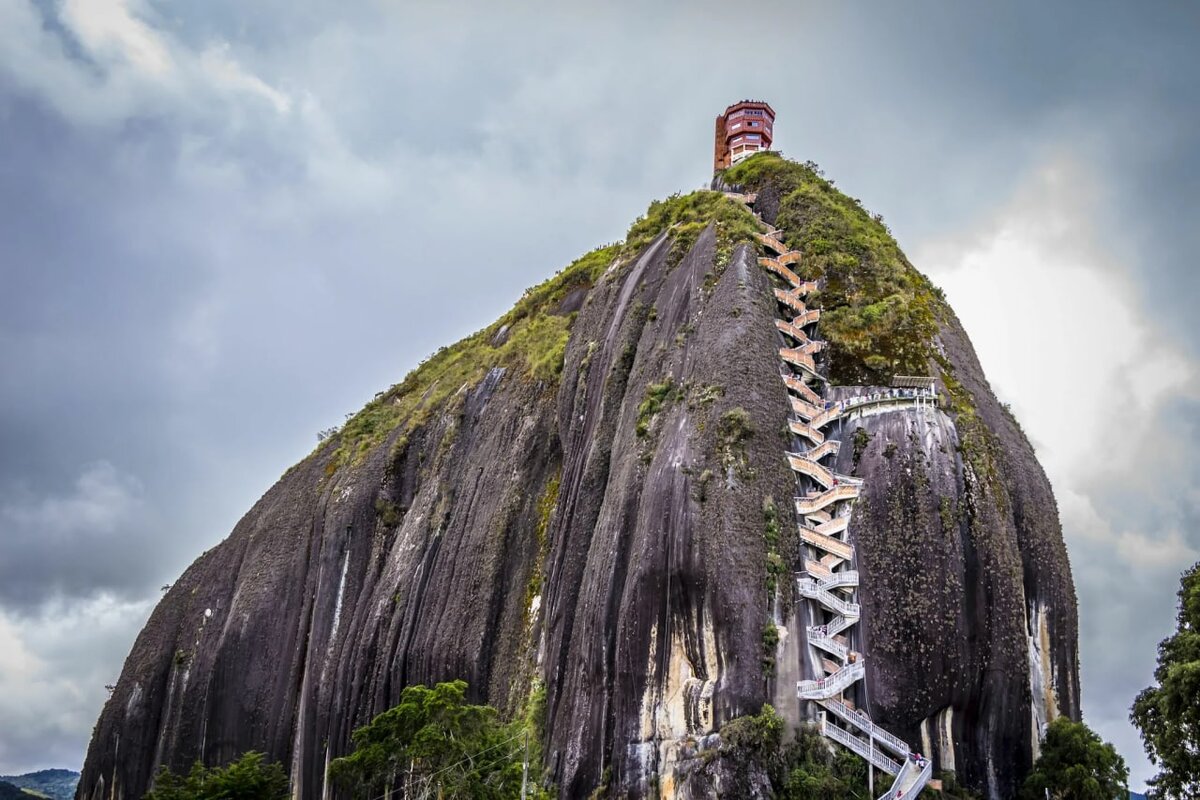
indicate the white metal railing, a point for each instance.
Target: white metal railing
{"x":826,"y":578}
{"x":897,"y":789}
{"x":831,"y":685}
{"x":812,"y":413}
{"x":905,"y":396}
{"x":861,"y":748}
{"x":833,"y":627}
{"x":838,"y":580}
{"x":831,"y":646}
{"x":860,"y":720}
{"x":911,"y":780}
{"x":923,"y":775}
{"x":812,"y":589}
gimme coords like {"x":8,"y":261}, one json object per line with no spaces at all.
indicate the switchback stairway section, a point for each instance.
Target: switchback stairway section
{"x":824,"y":505}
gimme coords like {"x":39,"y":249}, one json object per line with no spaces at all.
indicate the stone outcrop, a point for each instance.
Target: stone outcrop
{"x":602,"y":533}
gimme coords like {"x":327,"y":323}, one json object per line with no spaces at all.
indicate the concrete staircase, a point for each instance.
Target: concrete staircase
{"x":824,"y":505}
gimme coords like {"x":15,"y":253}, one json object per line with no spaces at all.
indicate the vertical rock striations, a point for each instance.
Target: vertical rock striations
{"x":585,"y":495}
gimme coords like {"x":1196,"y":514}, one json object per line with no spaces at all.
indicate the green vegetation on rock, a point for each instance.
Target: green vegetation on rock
{"x":545,"y":509}
{"x":770,"y":640}
{"x":880,"y":317}
{"x":878,"y":314}
{"x":531,"y":339}
{"x":658,"y":395}
{"x":733,"y":429}
{"x":688,"y":215}
{"x":1168,"y":713}
{"x":776,"y":566}
{"x":799,"y":767}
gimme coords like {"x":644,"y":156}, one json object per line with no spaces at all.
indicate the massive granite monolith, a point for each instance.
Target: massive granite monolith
{"x":572,"y":501}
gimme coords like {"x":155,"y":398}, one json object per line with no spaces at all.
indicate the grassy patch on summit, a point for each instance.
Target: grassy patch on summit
{"x":535,"y":331}
{"x":533,"y":344}
{"x":879,"y":315}
{"x":689,"y":215}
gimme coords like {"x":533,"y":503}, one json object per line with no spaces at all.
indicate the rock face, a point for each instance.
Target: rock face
{"x":602,"y":533}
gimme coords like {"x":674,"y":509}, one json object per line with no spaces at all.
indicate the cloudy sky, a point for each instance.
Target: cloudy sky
{"x":224,"y":225}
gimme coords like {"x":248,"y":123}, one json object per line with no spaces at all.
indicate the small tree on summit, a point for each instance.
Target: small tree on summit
{"x":1076,"y":764}
{"x":1168,"y":714}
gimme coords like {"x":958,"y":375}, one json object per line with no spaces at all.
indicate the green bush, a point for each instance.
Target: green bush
{"x":689,"y":214}
{"x":735,"y":427}
{"x":1076,"y":765}
{"x":770,"y":640}
{"x":536,"y":333}
{"x":776,"y":567}
{"x":435,"y":742}
{"x":247,"y":778}
{"x":535,"y":343}
{"x":1168,"y":713}
{"x":658,"y":395}
{"x":799,"y":767}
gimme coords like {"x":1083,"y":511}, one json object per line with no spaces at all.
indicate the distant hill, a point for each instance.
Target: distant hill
{"x":57,"y":784}
{"x":10,"y":792}
{"x":1136,"y":796}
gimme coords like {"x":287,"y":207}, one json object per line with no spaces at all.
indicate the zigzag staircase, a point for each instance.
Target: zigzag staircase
{"x":823,"y":512}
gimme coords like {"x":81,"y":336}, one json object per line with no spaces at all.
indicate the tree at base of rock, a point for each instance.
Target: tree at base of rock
{"x":247,"y":778}
{"x":1168,"y":714}
{"x":1076,"y":764}
{"x":434,"y":742}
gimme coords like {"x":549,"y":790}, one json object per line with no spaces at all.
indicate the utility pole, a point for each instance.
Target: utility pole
{"x":525,"y":767}
{"x":871,"y":764}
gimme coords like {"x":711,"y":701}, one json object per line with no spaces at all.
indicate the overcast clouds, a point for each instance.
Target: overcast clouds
{"x":223,"y":225}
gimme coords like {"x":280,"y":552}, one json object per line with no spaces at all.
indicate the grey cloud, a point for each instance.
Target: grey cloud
{"x":53,"y":670}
